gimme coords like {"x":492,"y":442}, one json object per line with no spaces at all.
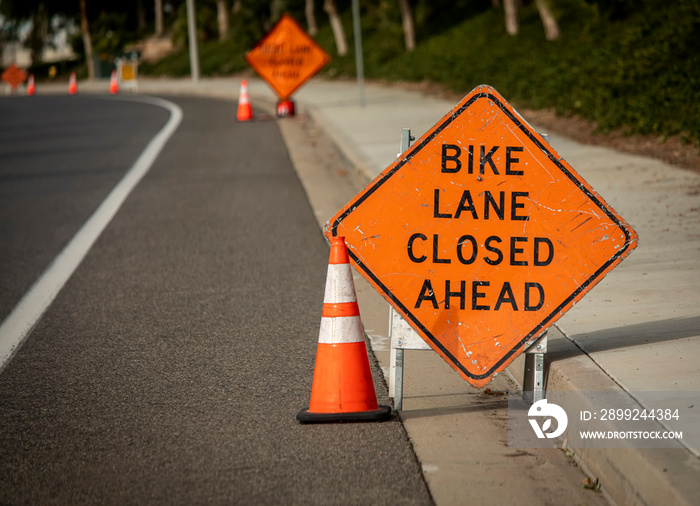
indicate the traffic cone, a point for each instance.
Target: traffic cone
{"x":113,"y":83}
{"x":342,"y":389}
{"x":72,"y":84}
{"x":285,"y":108}
{"x":245,"y":112}
{"x":30,"y":85}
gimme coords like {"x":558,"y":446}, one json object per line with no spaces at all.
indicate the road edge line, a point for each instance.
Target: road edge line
{"x":29,"y":310}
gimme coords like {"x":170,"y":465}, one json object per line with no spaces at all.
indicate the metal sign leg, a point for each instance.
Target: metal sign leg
{"x":392,"y":355}
{"x":533,"y":380}
{"x":398,"y":387}
{"x":396,"y":354}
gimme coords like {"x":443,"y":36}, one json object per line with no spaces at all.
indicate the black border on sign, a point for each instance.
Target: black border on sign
{"x":545,"y":322}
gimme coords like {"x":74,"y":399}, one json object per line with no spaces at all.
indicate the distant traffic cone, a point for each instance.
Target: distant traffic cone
{"x":30,"y":85}
{"x":72,"y":84}
{"x":342,"y":389}
{"x":245,"y":112}
{"x":113,"y":83}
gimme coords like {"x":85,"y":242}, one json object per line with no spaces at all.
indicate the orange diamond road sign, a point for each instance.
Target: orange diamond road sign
{"x":14,"y":76}
{"x":481,"y":236}
{"x":286,"y":57}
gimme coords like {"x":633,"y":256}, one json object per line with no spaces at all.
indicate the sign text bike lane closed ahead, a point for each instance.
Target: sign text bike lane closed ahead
{"x":481,"y":236}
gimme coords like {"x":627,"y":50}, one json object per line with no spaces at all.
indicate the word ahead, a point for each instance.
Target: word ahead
{"x":481,"y":236}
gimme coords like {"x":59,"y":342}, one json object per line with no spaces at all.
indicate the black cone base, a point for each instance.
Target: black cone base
{"x":376,"y":415}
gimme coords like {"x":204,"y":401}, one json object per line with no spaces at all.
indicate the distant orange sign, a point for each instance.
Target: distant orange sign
{"x":14,"y":76}
{"x":286,"y":57}
{"x":481,"y":235}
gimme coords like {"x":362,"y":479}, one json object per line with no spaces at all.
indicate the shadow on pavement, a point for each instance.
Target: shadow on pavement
{"x":626,"y":336}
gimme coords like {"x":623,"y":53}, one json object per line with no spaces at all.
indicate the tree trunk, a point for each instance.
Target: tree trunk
{"x":409,"y":31}
{"x":276,"y":10}
{"x":551,"y":27}
{"x":512,"y":23}
{"x":140,"y":15}
{"x":159,"y":17}
{"x":341,"y":43}
{"x":495,"y":3}
{"x":311,"y":17}
{"x":222,"y":19}
{"x":87,"y":40}
{"x":39,"y":33}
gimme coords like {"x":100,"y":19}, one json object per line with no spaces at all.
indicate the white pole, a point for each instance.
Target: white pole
{"x":192,"y":37}
{"x":359,"y":62}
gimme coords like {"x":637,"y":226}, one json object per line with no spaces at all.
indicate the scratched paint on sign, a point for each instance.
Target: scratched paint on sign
{"x":481,"y":236}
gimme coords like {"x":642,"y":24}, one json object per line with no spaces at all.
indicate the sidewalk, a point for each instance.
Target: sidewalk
{"x":637,"y":331}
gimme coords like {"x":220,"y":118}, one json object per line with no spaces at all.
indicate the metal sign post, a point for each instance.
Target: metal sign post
{"x":533,"y":376}
{"x":401,"y":335}
{"x":359,"y":61}
{"x":192,"y":39}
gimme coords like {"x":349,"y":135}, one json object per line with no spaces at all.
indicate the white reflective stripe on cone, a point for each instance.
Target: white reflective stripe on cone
{"x":340,"y":330}
{"x":339,"y":284}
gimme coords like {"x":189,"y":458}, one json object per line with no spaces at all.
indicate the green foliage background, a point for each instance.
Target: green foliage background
{"x":623,"y":64}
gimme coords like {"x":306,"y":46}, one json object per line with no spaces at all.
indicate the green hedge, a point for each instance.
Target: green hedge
{"x":623,"y":64}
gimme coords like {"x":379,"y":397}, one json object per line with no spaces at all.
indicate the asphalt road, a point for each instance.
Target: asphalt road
{"x":171,"y":366}
{"x":59,"y":158}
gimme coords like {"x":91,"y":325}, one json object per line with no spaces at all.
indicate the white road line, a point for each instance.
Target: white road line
{"x":19,"y":324}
